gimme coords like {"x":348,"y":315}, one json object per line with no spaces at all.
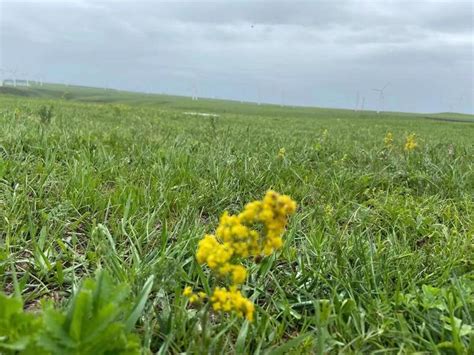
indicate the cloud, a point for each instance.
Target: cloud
{"x":318,"y":53}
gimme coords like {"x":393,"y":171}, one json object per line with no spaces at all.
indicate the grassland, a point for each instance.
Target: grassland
{"x":378,"y":258}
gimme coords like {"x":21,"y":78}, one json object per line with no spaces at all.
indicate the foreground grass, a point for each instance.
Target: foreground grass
{"x":379,"y":256}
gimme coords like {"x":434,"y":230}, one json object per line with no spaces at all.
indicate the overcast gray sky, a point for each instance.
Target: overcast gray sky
{"x":317,"y":53}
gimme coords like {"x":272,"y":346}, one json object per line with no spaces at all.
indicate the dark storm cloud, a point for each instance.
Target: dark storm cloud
{"x":313,"y":53}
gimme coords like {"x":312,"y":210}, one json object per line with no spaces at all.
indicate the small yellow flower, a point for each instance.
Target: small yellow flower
{"x":281,"y":153}
{"x":328,"y":210}
{"x":188,"y":291}
{"x":238,"y":274}
{"x":232,"y":301}
{"x":410,"y":143}
{"x":193,"y":298}
{"x":388,"y":139}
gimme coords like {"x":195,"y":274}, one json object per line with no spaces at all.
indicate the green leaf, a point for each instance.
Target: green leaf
{"x":94,"y":322}
{"x":285,"y":348}
{"x":240,"y":342}
{"x":17,"y":328}
{"x":140,"y":304}
{"x":348,"y":305}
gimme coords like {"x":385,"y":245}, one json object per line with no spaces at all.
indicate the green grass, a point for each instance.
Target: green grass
{"x":378,"y":258}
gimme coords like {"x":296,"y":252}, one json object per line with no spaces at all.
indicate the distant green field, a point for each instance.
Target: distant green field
{"x":102,"y":95}
{"x":378,"y":257}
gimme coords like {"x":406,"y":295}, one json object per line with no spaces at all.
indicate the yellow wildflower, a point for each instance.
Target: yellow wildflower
{"x":194,"y":297}
{"x":213,"y":253}
{"x":238,"y":274}
{"x":328,"y":210}
{"x":388,"y":139}
{"x":281,"y":153}
{"x":256,"y":231}
{"x":232,"y":301}
{"x":188,"y":291}
{"x":410,"y":143}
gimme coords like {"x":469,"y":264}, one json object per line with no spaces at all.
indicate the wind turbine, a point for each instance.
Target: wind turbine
{"x":39,"y":79}
{"x":381,"y":97}
{"x":357,"y":102}
{"x":25,"y":78}
{"x":14,"y":73}
{"x":195,"y":95}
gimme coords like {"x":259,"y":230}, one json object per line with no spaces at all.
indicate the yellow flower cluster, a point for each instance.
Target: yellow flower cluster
{"x":388,"y":139}
{"x":256,"y":231}
{"x":194,"y":297}
{"x":410,"y":143}
{"x":232,"y":301}
{"x":281,"y":153}
{"x":270,"y":215}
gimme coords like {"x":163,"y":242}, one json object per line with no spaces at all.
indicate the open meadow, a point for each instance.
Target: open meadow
{"x":378,"y":257}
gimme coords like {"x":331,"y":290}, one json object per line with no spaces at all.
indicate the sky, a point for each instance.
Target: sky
{"x":314,"y":53}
